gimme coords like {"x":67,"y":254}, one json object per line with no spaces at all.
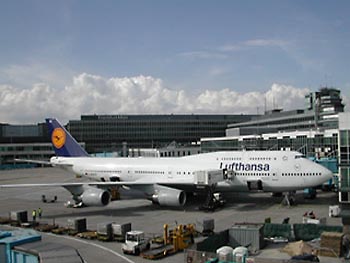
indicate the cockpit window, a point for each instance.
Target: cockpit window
{"x":299,"y":156}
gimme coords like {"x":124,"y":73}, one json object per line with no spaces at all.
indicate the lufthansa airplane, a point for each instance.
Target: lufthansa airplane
{"x":167,"y":180}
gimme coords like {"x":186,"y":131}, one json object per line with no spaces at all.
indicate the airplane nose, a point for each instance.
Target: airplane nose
{"x":327,"y":174}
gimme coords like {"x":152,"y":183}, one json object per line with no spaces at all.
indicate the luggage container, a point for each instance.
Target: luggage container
{"x":104,"y":231}
{"x":208,"y":226}
{"x":120,"y":230}
{"x":19,"y":216}
{"x":77,"y":224}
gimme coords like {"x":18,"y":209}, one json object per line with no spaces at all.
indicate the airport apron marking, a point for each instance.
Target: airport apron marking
{"x":96,"y":245}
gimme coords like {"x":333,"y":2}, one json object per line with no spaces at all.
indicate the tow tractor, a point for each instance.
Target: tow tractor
{"x":135,"y":242}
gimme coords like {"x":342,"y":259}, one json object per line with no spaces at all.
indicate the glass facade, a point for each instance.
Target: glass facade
{"x":29,"y":151}
{"x":310,"y":143}
{"x":344,"y":146}
{"x":321,"y":113}
{"x":23,"y":142}
{"x":344,"y":163}
{"x":113,"y":132}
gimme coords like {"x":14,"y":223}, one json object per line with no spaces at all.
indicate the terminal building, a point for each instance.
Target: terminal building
{"x":118,"y":133}
{"x":23,"y":142}
{"x":312,"y":131}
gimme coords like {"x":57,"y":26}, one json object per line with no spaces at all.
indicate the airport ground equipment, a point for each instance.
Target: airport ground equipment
{"x":120,"y":230}
{"x":88,"y":235}
{"x":135,"y":242}
{"x":212,"y":201}
{"x":45,"y":227}
{"x":208,"y":225}
{"x":210,"y":177}
{"x":177,"y":239}
{"x":310,"y":193}
{"x":77,"y":224}
{"x":104,"y":232}
{"x":206,"y":181}
{"x":334,"y":211}
{"x":19,"y":216}
{"x":45,"y":200}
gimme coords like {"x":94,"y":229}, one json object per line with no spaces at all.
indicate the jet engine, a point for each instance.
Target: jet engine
{"x":169,"y":197}
{"x":95,"y":197}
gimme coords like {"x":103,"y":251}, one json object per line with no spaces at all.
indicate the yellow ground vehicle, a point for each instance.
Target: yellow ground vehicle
{"x":175,"y":240}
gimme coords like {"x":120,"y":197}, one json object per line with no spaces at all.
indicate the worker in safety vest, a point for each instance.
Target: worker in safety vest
{"x":40,"y":212}
{"x":34,"y":214}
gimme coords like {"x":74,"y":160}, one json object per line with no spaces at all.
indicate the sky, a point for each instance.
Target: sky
{"x":69,"y":58}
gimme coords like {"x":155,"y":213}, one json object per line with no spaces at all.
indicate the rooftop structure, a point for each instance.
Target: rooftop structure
{"x":321,"y":112}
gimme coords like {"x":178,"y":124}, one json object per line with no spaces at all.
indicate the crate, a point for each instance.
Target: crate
{"x":331,"y":244}
{"x":208,"y":225}
{"x":19,"y":216}
{"x":77,"y":224}
{"x":120,"y":230}
{"x":247,"y":235}
{"x":104,"y":231}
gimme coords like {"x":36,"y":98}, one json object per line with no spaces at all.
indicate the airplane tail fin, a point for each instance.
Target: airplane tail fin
{"x":63,"y":142}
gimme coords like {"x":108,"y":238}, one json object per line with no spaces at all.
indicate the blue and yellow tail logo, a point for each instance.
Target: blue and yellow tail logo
{"x":63,"y":142}
{"x":58,"y":138}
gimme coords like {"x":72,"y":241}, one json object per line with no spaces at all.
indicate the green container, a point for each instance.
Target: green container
{"x":307,"y":232}
{"x":278,"y":230}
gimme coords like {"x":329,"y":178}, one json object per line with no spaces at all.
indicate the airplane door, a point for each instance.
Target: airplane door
{"x":275,"y":173}
{"x":298,"y":172}
{"x":169,"y":173}
{"x":130,"y":174}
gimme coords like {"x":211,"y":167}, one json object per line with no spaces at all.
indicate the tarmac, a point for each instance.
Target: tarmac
{"x":143,"y":215}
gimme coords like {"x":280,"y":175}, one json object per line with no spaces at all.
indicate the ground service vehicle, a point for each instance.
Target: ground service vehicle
{"x":135,"y":242}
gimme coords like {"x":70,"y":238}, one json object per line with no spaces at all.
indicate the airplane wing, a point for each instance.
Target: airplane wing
{"x":164,"y":191}
{"x":96,"y":184}
{"x":94,"y":193}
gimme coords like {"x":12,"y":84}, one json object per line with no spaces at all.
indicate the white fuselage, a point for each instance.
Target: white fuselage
{"x":278,"y":171}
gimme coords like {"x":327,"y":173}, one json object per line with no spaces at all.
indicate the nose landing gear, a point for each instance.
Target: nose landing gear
{"x":289,"y":198}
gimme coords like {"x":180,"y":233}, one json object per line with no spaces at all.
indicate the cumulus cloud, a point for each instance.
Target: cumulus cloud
{"x":91,"y":94}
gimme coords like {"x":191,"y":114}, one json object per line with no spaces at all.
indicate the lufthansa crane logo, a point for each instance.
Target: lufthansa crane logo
{"x":58,"y":137}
